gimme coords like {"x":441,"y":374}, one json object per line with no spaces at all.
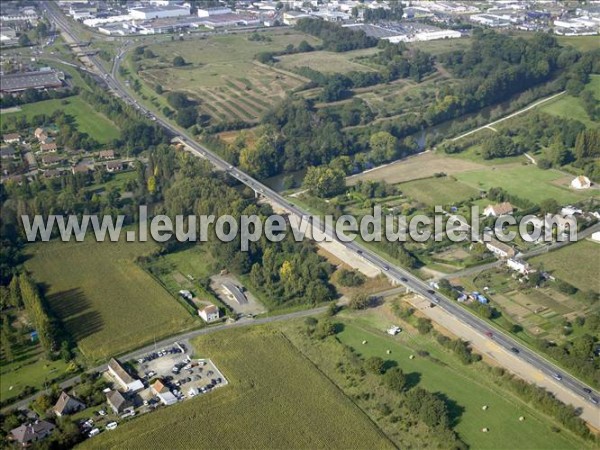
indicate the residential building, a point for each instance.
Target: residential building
{"x":159,"y":387}
{"x":66,"y":405}
{"x":518,"y":266}
{"x":581,"y":182}
{"x":48,"y":160}
{"x":28,"y":433}
{"x":106,"y":154}
{"x":12,"y":138}
{"x":41,"y":135}
{"x":7,"y":152}
{"x":500,"y":249}
{"x":114,"y":166}
{"x":80,"y":168}
{"x":501,"y":209}
{"x":50,"y":147}
{"x":209,"y":313}
{"x":117,"y":402}
{"x":127,"y":382}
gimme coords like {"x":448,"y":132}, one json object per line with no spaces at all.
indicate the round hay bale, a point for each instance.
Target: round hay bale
{"x":521,"y":419}
{"x":485,"y":430}
{"x":411,"y":357}
{"x":388,"y":352}
{"x":364,"y":342}
{"x":484,"y":407}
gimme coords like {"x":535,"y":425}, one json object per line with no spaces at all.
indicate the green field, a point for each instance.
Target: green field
{"x":276,"y":399}
{"x":438,"y":191}
{"x":577,"y":264}
{"x":28,"y":369}
{"x":570,"y":107}
{"x":88,"y":120}
{"x":465,"y":386}
{"x":527,"y":182}
{"x":582,"y":43}
{"x":327,"y":62}
{"x":104,"y":299}
{"x":222,"y":74}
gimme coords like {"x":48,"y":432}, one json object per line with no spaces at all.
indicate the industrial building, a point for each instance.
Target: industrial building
{"x":159,"y":12}
{"x":17,"y":82}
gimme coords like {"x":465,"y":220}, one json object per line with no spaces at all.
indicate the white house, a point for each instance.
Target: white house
{"x":209,"y":313}
{"x":581,"y":182}
{"x":518,"y":266}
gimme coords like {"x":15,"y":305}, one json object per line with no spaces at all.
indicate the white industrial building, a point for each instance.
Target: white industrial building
{"x":208,"y":12}
{"x":425,"y":36}
{"x":159,"y":12}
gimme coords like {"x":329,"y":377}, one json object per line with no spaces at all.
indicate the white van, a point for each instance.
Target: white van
{"x":94,"y":432}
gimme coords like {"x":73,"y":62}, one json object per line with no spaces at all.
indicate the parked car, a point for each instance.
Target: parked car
{"x":111,"y":425}
{"x":94,"y":432}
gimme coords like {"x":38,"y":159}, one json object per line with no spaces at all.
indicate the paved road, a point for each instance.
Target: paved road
{"x":168,"y":342}
{"x":397,"y":275}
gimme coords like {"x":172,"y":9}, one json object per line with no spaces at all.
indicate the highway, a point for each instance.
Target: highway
{"x":396,"y":274}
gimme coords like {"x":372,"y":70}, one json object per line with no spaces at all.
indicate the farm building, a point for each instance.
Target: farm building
{"x":28,"y":433}
{"x":127,"y":382}
{"x":518,"y":266}
{"x":581,"y":182}
{"x":117,"y":402}
{"x":501,"y":209}
{"x":17,"y":82}
{"x":159,"y":12}
{"x":66,"y":405}
{"x":209,"y":313}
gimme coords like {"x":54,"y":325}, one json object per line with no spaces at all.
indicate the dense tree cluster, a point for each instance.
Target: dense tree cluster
{"x":381,"y":14}
{"x":335,"y":37}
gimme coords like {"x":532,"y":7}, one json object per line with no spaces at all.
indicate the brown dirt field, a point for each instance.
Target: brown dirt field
{"x":423,"y":165}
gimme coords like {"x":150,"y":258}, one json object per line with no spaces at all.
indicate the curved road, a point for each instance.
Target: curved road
{"x":396,"y":274}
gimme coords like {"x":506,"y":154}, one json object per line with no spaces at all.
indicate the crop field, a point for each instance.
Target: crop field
{"x":438,"y":191}
{"x":424,"y":165}
{"x":327,"y":62}
{"x":276,"y":399}
{"x":88,"y":120}
{"x":222,"y":75}
{"x":571,"y":107}
{"x":582,"y":256}
{"x":103,"y":298}
{"x":527,"y":182}
{"x":464,"y":386}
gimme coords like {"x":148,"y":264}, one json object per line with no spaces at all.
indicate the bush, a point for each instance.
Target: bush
{"x":178,"y":61}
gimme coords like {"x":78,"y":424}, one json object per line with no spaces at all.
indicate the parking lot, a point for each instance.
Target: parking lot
{"x":183,"y":375}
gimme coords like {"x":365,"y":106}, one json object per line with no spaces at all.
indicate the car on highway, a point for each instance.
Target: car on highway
{"x":489,"y":334}
{"x":587,"y":390}
{"x":514,"y":349}
{"x":403,"y":279}
{"x":386,"y":268}
{"x":557,"y":376}
{"x":593,"y":400}
{"x":360,"y":252}
{"x":430,"y":291}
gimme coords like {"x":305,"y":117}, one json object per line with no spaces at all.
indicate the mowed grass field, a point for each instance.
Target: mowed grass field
{"x":424,"y":165}
{"x":222,"y":74}
{"x":571,"y":107}
{"x":438,"y":191}
{"x":327,"y":62}
{"x":526,"y":182}
{"x":276,"y":399}
{"x":582,"y":43}
{"x":463,"y":385}
{"x":103,"y":298}
{"x":88,"y":120}
{"x":577,"y":264}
